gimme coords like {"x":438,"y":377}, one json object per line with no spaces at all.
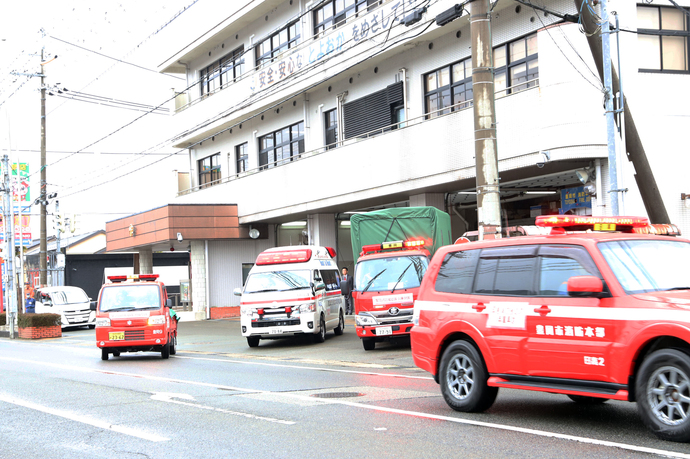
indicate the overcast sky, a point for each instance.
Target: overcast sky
{"x":82,"y":168}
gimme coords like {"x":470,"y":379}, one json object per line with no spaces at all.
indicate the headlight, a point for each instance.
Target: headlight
{"x":156,"y":320}
{"x":308,"y":307}
{"x":103,"y":322}
{"x":246,"y":311}
{"x":365,"y":320}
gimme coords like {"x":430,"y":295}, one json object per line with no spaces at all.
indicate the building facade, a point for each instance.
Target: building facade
{"x":302,"y":112}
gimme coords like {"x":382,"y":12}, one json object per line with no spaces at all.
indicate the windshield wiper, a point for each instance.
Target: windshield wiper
{"x":371,"y":281}
{"x":400,"y":278}
{"x":122,"y":308}
{"x":295,"y":288}
{"x":265,"y":290}
{"x":677,"y":288}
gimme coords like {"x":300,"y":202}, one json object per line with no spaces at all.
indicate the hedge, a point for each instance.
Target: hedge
{"x":3,"y":319}
{"x":38,"y":320}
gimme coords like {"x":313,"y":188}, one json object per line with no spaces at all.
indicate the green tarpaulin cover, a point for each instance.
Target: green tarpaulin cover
{"x":399,"y":224}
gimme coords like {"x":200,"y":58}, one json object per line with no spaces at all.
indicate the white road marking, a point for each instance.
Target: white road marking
{"x":83,"y":419}
{"x":417,"y":414}
{"x":300,"y":367}
{"x":169,"y":397}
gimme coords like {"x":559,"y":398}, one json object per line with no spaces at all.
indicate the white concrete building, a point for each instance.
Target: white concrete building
{"x":297,"y":120}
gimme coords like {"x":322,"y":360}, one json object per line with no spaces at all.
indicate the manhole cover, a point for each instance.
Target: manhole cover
{"x":337,"y":394}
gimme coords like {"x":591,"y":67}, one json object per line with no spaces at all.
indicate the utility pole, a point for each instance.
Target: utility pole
{"x":42,"y":249}
{"x":610,"y":121}
{"x":8,"y":228}
{"x":485,"y":146}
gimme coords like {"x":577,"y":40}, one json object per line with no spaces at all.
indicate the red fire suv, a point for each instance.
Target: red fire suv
{"x":588,"y":314}
{"x":134,"y":315}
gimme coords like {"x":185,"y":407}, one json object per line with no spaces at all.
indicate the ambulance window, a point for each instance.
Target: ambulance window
{"x":507,"y":271}
{"x":457,"y":272}
{"x":560,"y":263}
{"x":331,"y":279}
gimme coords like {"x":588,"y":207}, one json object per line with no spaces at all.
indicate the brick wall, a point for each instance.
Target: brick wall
{"x":225,"y":312}
{"x":40,"y":332}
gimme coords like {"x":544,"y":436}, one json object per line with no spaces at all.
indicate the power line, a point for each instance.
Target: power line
{"x":114,"y":58}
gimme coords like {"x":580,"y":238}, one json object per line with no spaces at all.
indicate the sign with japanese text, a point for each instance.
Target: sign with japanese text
{"x":340,"y":39}
{"x":21,"y":232}
{"x":572,"y":198}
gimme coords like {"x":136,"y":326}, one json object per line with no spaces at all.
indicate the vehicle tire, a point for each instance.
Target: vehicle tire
{"x":320,"y":337}
{"x":253,"y":341}
{"x":165,"y":353}
{"x":463,"y":377}
{"x":92,"y":326}
{"x":104,"y":354}
{"x":341,"y":325}
{"x":662,"y":389}
{"x":116,"y":353}
{"x":586,"y":400}
{"x":369,"y":344}
{"x":173,"y":345}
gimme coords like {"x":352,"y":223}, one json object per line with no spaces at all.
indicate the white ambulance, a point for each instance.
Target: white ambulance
{"x":292,"y":291}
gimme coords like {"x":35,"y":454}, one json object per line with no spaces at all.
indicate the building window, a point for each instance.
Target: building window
{"x":516,"y":66}
{"x":281,"y":146}
{"x":336,"y":12}
{"x":277,"y":43}
{"x":241,"y":157}
{"x":221,"y":72}
{"x":331,"y":123}
{"x":661,"y":46}
{"x":449,"y":88}
{"x":209,"y":170}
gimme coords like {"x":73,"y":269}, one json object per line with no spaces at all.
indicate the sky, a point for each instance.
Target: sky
{"x":103,"y":162}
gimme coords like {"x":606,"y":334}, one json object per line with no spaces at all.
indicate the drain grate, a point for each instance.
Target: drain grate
{"x":337,"y":394}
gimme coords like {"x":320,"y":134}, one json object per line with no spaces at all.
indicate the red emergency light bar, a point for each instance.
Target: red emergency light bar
{"x":660,"y":229}
{"x":117,"y":278}
{"x":392,"y":246}
{"x":134,"y":277}
{"x":286,"y":256}
{"x":584,"y":223}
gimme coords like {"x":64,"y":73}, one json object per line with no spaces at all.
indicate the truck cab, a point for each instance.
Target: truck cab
{"x":133,"y":315}
{"x":387,"y":280}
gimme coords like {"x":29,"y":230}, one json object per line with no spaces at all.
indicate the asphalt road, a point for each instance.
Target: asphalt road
{"x":287,"y":398}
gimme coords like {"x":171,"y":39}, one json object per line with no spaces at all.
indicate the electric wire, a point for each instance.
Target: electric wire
{"x":104,"y":104}
{"x":92,"y":97}
{"x":114,"y":58}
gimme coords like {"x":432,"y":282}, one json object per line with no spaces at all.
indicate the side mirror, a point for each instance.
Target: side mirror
{"x":168,"y":302}
{"x":92,"y":305}
{"x":237,"y":292}
{"x":585,"y":286}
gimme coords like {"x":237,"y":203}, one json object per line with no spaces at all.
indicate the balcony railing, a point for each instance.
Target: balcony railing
{"x":429,"y":116}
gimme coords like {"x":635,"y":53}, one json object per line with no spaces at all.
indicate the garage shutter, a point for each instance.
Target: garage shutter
{"x":372,"y":112}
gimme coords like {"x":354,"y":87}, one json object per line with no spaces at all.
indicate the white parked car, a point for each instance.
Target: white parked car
{"x":72,"y":303}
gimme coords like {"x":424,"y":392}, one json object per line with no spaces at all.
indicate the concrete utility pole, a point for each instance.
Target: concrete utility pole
{"x":644,"y":177}
{"x":10,"y":290}
{"x":42,"y":249}
{"x":610,"y":122}
{"x":485,"y":146}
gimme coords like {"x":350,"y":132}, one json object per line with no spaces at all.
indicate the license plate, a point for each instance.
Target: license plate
{"x":276,"y":331}
{"x":115,"y":336}
{"x":384,"y":331}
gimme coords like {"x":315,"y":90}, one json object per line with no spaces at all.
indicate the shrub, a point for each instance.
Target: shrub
{"x":38,"y":320}
{"x":3,"y":319}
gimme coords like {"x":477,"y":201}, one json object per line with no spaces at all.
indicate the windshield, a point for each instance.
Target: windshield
{"x":129,"y":298}
{"x":649,"y":266}
{"x":394,"y":273}
{"x":69,"y":297}
{"x":278,"y":281}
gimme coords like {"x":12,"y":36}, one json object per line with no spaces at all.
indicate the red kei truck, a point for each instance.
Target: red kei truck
{"x":598,"y":309}
{"x":392,"y":248}
{"x":133,"y":315}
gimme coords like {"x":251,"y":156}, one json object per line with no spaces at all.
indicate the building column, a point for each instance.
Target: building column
{"x":321,"y":229}
{"x":198,"y":260}
{"x":428,"y":199}
{"x":145,"y":261}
